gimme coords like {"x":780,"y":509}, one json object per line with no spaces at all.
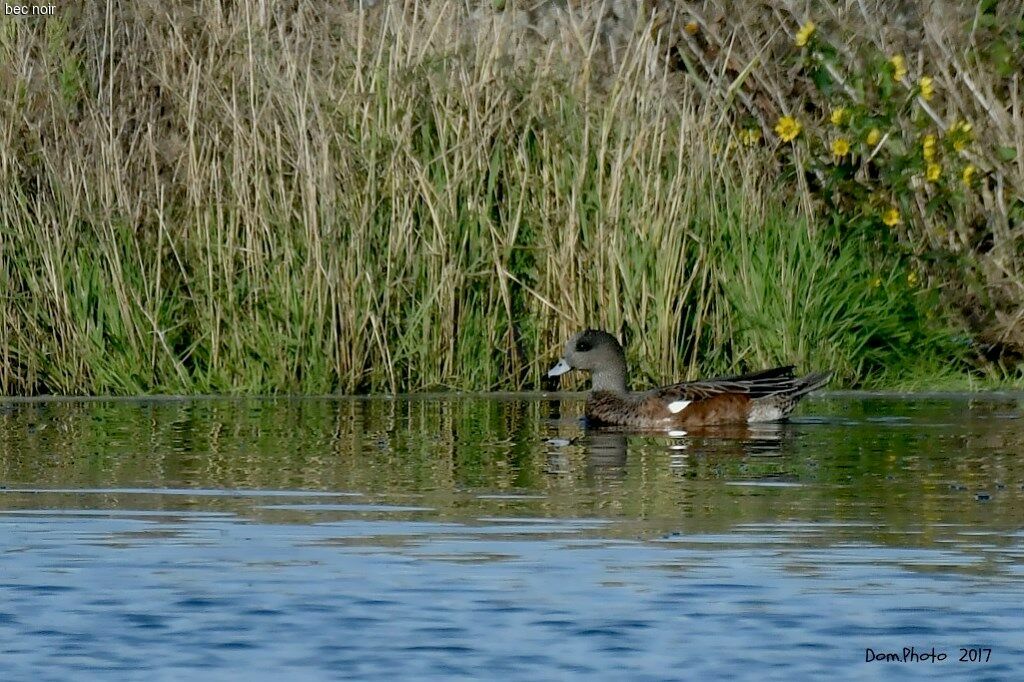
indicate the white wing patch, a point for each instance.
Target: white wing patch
{"x":678,"y":406}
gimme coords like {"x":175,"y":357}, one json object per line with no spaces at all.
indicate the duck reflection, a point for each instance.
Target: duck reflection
{"x":759,"y":439}
{"x":607,"y":451}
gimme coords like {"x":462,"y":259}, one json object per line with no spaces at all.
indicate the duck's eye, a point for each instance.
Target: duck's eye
{"x":583,"y":345}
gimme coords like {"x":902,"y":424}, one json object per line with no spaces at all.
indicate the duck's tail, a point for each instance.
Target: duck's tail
{"x":810,"y":382}
{"x":778,"y":405}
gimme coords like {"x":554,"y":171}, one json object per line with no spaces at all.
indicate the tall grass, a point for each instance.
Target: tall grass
{"x":228,"y":197}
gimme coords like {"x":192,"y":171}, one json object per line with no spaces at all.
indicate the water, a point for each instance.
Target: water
{"x":468,"y":538}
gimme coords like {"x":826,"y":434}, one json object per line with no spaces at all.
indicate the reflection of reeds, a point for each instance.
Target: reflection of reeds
{"x":885,"y":466}
{"x":325,"y":200}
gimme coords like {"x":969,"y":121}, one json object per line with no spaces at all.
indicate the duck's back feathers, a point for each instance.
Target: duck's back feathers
{"x":754,"y":385}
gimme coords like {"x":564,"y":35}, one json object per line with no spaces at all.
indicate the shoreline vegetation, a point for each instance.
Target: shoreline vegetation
{"x":411,"y":195}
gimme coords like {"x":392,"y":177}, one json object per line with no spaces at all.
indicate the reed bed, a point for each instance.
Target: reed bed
{"x":248,"y":197}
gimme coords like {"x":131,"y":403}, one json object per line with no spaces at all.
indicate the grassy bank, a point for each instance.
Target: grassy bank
{"x":217,"y":198}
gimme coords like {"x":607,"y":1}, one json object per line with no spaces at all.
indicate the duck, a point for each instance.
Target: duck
{"x":765,"y":396}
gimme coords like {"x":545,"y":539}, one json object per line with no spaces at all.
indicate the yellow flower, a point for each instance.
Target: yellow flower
{"x":838,"y":116}
{"x":750,"y":136}
{"x":961,"y":133}
{"x":874,"y":135}
{"x":841,"y":147}
{"x":927,"y":87}
{"x":692,"y":28}
{"x":928,"y":148}
{"x":968,"y":174}
{"x":788,"y":128}
{"x":804,"y":34}
{"x":912,"y":279}
{"x":891,"y":217}
{"x":899,"y":67}
{"x":961,"y":126}
{"x":933,"y":172}
{"x":876,"y":282}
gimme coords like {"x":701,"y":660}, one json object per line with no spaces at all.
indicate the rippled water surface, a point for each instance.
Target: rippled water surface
{"x":482,"y":537}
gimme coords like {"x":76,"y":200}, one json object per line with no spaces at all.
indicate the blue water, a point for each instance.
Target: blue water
{"x":477,"y":538}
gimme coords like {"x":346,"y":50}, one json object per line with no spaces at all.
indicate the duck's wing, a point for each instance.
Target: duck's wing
{"x":779,"y":380}
{"x":776,"y":372}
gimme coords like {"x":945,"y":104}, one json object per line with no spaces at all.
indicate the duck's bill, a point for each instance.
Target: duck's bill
{"x":561,"y":368}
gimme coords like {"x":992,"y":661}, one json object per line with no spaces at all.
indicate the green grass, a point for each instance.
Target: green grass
{"x":321,"y":203}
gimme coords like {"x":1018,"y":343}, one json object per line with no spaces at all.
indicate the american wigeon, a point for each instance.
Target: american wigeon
{"x":765,"y":396}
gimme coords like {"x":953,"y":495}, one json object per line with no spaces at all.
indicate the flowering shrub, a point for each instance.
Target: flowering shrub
{"x":897,"y":124}
{"x":870,"y":145}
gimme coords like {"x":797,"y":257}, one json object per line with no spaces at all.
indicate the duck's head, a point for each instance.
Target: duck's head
{"x":599,"y":353}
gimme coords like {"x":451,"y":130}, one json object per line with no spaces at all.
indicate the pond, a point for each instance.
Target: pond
{"x":484,"y":536}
